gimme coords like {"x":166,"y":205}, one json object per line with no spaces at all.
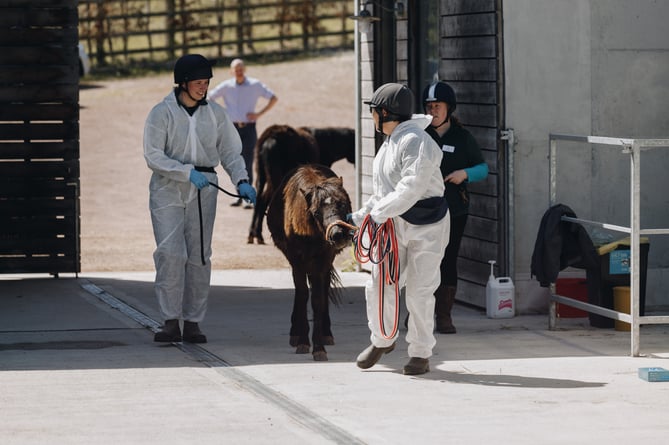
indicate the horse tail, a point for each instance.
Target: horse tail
{"x":334,"y":293}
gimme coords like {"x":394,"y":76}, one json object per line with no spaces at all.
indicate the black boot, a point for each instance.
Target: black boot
{"x":170,"y":332}
{"x":444,"y":299}
{"x":192,"y":333}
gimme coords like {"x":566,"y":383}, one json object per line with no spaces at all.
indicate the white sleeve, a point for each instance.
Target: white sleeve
{"x":155,"y":142}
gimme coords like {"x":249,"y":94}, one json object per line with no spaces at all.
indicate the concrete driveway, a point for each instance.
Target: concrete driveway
{"x":78,"y":365}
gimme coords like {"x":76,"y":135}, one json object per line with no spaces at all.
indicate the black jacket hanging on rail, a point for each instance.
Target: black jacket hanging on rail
{"x":561,"y":244}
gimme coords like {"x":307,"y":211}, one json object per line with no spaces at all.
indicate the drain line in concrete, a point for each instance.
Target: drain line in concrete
{"x":296,"y":411}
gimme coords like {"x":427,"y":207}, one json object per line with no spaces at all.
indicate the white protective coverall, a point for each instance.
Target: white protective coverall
{"x":405,"y":170}
{"x":175,"y":142}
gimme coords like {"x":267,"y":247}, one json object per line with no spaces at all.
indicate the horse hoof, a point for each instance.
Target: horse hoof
{"x":249,"y":240}
{"x":294,"y":340}
{"x":302,"y":349}
{"x":328,"y":340}
{"x":320,"y":356}
{"x":261,"y":240}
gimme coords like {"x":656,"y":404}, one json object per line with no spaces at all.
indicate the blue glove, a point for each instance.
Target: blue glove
{"x":198,"y":179}
{"x":247,"y":192}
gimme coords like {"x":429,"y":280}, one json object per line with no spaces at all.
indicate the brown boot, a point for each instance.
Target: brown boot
{"x":417,"y":366}
{"x":371,"y":355}
{"x":170,"y":332}
{"x":444,"y":299}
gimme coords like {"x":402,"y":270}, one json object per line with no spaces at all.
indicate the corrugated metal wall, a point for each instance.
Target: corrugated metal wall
{"x":39,"y":137}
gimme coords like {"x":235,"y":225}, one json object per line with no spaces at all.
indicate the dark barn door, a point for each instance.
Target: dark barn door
{"x":39,"y":137}
{"x":459,"y":41}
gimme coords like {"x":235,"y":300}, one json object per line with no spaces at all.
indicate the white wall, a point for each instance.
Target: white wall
{"x":547,"y":82}
{"x":630,"y":97}
{"x":585,"y":67}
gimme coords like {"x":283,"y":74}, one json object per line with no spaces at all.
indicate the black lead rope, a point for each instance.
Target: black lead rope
{"x":225,"y":191}
{"x":199,"y":209}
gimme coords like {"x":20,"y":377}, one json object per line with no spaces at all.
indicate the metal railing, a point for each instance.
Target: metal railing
{"x":633,"y":147}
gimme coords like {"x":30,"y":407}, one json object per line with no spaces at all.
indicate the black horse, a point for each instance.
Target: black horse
{"x":334,"y":143}
{"x":281,"y":148}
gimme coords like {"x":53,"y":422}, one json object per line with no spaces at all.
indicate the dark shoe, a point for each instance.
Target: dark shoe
{"x":248,"y":205}
{"x":236,"y":203}
{"x":170,"y":332}
{"x":371,"y":355}
{"x":192,"y":333}
{"x":417,"y":366}
{"x":444,"y":300}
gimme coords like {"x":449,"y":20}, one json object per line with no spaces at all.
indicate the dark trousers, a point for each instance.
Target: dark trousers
{"x":249,"y":136}
{"x":449,"y":264}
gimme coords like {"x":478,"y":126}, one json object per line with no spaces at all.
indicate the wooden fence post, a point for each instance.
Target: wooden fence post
{"x":100,"y":16}
{"x":170,"y":29}
{"x":240,"y":27}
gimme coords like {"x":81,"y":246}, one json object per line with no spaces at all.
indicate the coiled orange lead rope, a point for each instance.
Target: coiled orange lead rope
{"x":382,"y":251}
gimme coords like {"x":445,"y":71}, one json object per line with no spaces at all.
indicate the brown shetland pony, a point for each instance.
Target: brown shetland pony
{"x":306,"y":203}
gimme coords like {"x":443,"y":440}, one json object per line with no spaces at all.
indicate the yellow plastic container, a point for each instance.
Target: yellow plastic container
{"x":621,"y":303}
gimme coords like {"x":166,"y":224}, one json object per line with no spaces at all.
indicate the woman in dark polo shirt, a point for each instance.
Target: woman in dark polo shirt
{"x":462,"y":163}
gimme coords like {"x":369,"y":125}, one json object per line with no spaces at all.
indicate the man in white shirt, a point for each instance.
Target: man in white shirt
{"x":240,"y":95}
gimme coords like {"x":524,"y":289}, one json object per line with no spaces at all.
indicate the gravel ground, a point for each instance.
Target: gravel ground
{"x":116,"y":230}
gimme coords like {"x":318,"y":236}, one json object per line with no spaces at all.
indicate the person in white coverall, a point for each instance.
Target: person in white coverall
{"x":185,"y":137}
{"x":408,"y":187}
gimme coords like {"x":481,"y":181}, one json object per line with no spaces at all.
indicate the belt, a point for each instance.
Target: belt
{"x":205,"y":169}
{"x":243,"y":124}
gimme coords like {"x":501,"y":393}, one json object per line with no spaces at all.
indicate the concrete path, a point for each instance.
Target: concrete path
{"x":78,"y":365}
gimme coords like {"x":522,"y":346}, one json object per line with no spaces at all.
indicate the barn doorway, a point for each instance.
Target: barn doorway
{"x":460,"y":43}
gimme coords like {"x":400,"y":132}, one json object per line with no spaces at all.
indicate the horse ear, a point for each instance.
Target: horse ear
{"x":336,"y":180}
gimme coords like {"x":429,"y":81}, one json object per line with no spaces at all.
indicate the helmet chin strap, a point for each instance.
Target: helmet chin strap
{"x":194,"y":99}
{"x":448,"y":116}
{"x":189,"y":95}
{"x":379,"y":128}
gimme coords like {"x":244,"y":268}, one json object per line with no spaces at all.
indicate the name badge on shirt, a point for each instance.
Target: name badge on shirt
{"x":448,"y":148}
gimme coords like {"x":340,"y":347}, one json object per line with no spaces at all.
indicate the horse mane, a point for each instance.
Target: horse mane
{"x":302,"y":185}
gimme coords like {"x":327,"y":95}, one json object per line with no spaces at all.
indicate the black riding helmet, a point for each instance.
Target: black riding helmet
{"x":395,"y":98}
{"x":192,"y":67}
{"x":440,"y":92}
